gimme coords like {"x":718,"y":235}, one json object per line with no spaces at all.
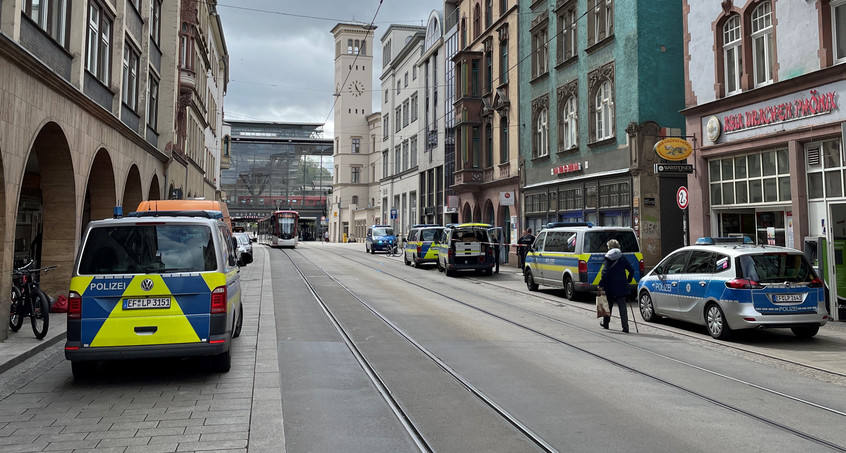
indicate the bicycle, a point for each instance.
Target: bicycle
{"x":29,"y":300}
{"x":393,"y":250}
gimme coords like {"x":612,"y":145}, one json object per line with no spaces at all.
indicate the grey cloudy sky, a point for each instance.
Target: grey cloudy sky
{"x":281,"y":53}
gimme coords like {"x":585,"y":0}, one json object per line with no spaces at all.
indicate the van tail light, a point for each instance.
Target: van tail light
{"x":451,"y":252}
{"x":74,"y":305}
{"x":582,"y":267}
{"x":218,"y":300}
{"x":816,"y":283}
{"x":419,"y":249}
{"x":742,"y":283}
{"x":641,"y":268}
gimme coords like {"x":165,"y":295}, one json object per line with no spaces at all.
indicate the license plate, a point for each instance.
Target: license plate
{"x":133,"y":304}
{"x":787,"y":298}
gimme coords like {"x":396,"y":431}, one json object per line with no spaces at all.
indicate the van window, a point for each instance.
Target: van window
{"x":556,"y":241}
{"x":383,"y":231}
{"x":595,"y":241}
{"x":429,"y":235}
{"x":147,"y":249}
{"x":539,"y":242}
{"x":570,"y":242}
{"x":412,"y":235}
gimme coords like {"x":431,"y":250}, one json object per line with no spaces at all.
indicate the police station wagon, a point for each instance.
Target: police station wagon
{"x":730,"y":286}
{"x":158,"y":285}
{"x":572,"y":256}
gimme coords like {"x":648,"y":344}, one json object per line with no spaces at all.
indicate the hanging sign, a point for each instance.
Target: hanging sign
{"x":674,"y":148}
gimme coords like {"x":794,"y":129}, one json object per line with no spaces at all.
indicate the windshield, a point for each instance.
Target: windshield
{"x":430,"y":235}
{"x":383,"y":231}
{"x":243,"y":240}
{"x":146,"y":249}
{"x":776,"y":268}
{"x":595,"y":241}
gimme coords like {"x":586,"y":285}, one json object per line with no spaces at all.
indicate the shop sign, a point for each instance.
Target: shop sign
{"x":781,"y":111}
{"x":673,"y":148}
{"x":506,"y":198}
{"x":566,"y":168}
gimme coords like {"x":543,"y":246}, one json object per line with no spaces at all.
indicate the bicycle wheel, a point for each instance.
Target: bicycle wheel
{"x":16,"y":318}
{"x":39,"y":314}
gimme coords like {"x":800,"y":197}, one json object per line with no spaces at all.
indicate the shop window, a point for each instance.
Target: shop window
{"x":824,"y":169}
{"x":753,"y":178}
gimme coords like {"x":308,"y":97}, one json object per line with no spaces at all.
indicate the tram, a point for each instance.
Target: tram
{"x":281,"y":229}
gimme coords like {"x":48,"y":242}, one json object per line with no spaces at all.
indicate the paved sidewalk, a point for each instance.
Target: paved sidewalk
{"x":22,"y":344}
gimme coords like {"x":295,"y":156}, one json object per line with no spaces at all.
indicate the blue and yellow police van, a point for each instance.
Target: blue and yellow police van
{"x":162,"y":284}
{"x":419,"y":246}
{"x":571,"y":256}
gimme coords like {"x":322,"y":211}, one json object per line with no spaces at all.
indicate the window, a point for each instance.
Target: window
{"x":355,"y":175}
{"x":397,"y":159}
{"x":838,"y":28}
{"x":567,"y":33}
{"x":405,"y":155}
{"x":762,"y":44}
{"x":405,"y":83}
{"x":503,"y":140}
{"x":477,"y":18}
{"x":540,"y":120}
{"x":399,"y":87}
{"x":384,"y":163}
{"x":568,"y":119}
{"x":354,"y":199}
{"x":386,"y":96}
{"x":414,"y":73}
{"x":153,"y":103}
{"x":98,"y":43}
{"x":386,"y":126}
{"x":600,"y":20}
{"x":398,"y":120}
{"x":386,"y":54}
{"x":355,"y":47}
{"x":405,"y":113}
{"x":488,"y":13}
{"x":414,"y":107}
{"x":156,"y":21}
{"x":732,"y":54}
{"x":413,"y":150}
{"x":488,"y":71}
{"x":52,"y":16}
{"x":603,"y":114}
{"x":503,"y":61}
{"x":489,"y":145}
{"x":130,"y":77}
{"x":540,"y":51}
{"x":761,"y":177}
{"x":356,"y":145}
{"x":503,"y":7}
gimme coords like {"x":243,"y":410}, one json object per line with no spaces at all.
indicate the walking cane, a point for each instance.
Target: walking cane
{"x":633,"y":318}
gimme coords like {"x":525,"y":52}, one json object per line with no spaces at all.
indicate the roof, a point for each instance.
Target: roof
{"x":738,"y":249}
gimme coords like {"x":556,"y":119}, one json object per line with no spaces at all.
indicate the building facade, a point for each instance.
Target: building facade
{"x":600,"y":86}
{"x":88,"y":94}
{"x":402,"y":125}
{"x":763,"y":84}
{"x":351,"y":199}
{"x":486,"y":77}
{"x":432,"y":81}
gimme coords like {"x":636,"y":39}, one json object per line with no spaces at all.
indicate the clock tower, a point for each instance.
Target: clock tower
{"x":353,"y":138}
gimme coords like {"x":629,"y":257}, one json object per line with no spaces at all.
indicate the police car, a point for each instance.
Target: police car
{"x":379,"y":238}
{"x":419,"y":247}
{"x":164,"y":284}
{"x":728,"y":284}
{"x":466,"y":246}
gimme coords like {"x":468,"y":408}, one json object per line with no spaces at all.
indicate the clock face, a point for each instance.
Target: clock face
{"x":356,"y":88}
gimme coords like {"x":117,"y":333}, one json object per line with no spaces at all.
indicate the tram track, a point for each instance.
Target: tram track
{"x":690,"y":391}
{"x":396,"y":407}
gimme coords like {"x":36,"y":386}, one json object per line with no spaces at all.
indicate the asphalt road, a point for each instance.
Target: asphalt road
{"x":346,"y":351}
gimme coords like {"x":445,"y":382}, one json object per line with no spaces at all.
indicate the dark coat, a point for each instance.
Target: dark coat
{"x":616,"y":275}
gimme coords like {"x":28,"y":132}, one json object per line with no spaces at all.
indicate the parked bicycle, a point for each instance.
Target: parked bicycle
{"x":29,"y":300}
{"x":393,"y":250}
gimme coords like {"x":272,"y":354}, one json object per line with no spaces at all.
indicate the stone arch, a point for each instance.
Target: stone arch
{"x":154,"y":193}
{"x":100,"y":193}
{"x":504,"y":220}
{"x":488,"y":215}
{"x":132,"y":192}
{"x":477,"y":214}
{"x":47,"y":205}
{"x":466,"y":214}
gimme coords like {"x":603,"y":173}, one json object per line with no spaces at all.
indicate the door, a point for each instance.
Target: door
{"x":836,"y":236}
{"x":496,"y":234}
{"x":665,"y":292}
{"x":693,"y":285}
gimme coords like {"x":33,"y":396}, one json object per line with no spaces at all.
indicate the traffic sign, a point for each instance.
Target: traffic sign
{"x":681,"y":197}
{"x":393,"y":214}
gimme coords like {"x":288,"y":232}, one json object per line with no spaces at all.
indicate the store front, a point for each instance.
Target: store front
{"x":603,"y":202}
{"x":776,"y":173}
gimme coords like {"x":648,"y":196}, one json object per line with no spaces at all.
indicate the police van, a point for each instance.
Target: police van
{"x":419,"y":244}
{"x":466,"y":246}
{"x":379,"y":238}
{"x":571,"y":256}
{"x":162,"y":284}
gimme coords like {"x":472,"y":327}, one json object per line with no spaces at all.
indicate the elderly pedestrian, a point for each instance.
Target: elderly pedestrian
{"x":617,"y":272}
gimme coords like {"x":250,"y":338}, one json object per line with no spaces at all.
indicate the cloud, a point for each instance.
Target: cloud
{"x":282,"y":64}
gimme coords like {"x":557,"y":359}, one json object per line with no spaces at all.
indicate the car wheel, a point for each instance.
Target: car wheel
{"x":448,"y":272}
{"x":805,"y":332}
{"x":239,"y":323}
{"x":569,"y":288}
{"x":221,"y":362}
{"x":438,"y":265}
{"x":487,"y":272}
{"x":83,"y":370}
{"x":530,"y":281}
{"x":716,"y":323}
{"x":647,"y":310}
{"x":405,"y":259}
{"x":372,"y":251}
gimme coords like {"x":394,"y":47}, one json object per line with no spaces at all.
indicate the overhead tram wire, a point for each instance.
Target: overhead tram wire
{"x":344,"y":83}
